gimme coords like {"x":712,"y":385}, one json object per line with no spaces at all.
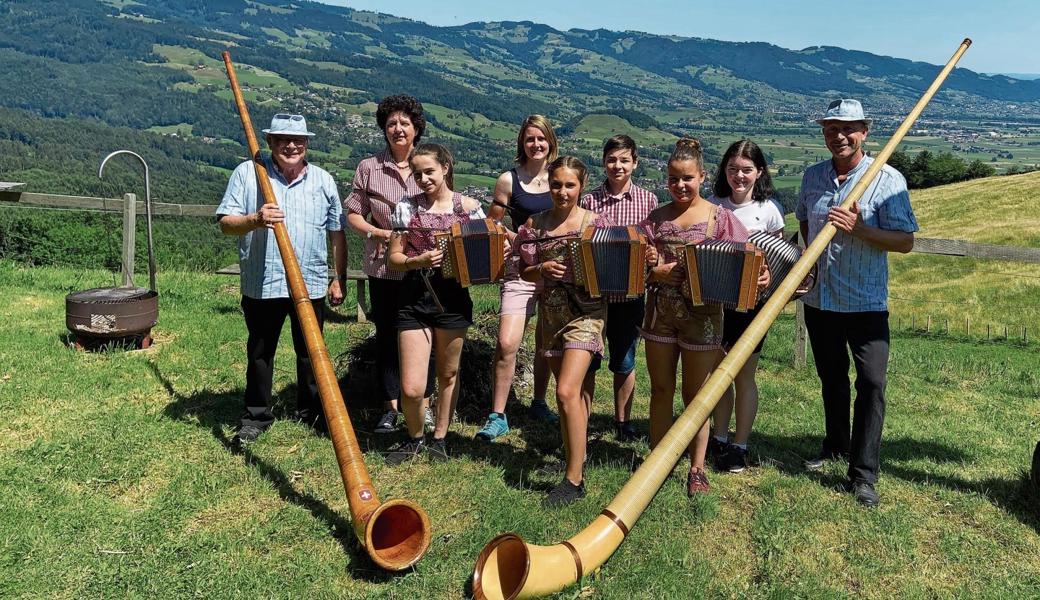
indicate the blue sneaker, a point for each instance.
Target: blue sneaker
{"x":540,"y":411}
{"x":496,"y":425}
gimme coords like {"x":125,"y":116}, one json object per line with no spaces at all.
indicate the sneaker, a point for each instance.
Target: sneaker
{"x":733,"y":460}
{"x":428,"y":417}
{"x":437,"y":450}
{"x":819,"y":461}
{"x":715,"y":448}
{"x":626,"y":431}
{"x":246,"y":434}
{"x":697,"y":482}
{"x":540,"y":411}
{"x":406,"y":451}
{"x":864,"y":493}
{"x":387,"y":423}
{"x":496,"y":425}
{"x":565,"y":493}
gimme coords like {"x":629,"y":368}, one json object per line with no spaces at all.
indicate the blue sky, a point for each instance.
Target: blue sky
{"x":1005,"y":32}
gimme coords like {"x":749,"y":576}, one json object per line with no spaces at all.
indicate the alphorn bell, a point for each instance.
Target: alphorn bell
{"x":396,"y":533}
{"x":508,"y":567}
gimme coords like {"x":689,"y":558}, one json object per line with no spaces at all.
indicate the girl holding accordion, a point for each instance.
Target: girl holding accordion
{"x":674,"y":328}
{"x":435,"y":312}
{"x":572,"y":322}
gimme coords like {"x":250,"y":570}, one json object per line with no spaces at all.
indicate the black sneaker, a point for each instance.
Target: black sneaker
{"x":864,"y":493}
{"x":565,"y":493}
{"x":406,"y":451}
{"x":387,"y":423}
{"x":246,"y":434}
{"x":715,"y":448}
{"x":819,"y":461}
{"x":437,"y":450}
{"x":626,"y":431}
{"x":733,"y":460}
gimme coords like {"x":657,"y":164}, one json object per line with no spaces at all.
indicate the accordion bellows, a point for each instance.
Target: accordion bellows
{"x":722,"y":272}
{"x":780,"y":254}
{"x":610,"y":260}
{"x":473,"y":252}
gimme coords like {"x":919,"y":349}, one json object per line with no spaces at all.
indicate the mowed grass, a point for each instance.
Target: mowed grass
{"x":118,"y":481}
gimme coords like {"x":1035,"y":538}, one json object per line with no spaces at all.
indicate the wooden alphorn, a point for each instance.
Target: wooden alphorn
{"x":396,"y":533}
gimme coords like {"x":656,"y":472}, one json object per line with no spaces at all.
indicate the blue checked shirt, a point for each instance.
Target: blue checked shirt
{"x":312,"y":207}
{"x":852,"y":274}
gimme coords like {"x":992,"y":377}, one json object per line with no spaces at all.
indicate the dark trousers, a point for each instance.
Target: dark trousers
{"x":264,"y":321}
{"x":832,"y":335}
{"x":385,"y":299}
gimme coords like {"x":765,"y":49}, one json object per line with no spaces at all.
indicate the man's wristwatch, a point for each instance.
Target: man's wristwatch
{"x":369,"y":234}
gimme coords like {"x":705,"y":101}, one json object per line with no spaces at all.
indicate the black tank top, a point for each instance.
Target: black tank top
{"x":523,"y":204}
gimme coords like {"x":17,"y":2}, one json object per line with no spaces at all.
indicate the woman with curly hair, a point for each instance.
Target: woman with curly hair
{"x":380,"y":182}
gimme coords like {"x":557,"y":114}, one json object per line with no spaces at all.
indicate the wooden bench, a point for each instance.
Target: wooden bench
{"x":352,"y":275}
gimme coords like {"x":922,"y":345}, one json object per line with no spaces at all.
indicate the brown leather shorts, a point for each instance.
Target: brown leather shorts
{"x":570,"y":319}
{"x":672,"y":319}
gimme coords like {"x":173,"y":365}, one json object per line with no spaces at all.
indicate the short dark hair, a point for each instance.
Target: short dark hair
{"x":763,"y":189}
{"x":401,"y":103}
{"x":619,"y":142}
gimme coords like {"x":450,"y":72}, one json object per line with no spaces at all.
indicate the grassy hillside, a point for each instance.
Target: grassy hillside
{"x":118,"y":480}
{"x":995,"y":210}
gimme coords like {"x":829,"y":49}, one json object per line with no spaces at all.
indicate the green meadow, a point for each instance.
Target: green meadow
{"x":120,"y":481}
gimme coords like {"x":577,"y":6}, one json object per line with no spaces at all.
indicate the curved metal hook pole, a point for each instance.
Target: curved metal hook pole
{"x":147,"y":208}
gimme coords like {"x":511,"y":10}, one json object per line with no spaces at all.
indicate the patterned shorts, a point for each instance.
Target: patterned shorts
{"x":672,"y":319}
{"x":570,"y":319}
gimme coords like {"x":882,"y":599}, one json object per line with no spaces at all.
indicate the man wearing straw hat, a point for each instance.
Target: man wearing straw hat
{"x":848,"y":308}
{"x":309,"y":206}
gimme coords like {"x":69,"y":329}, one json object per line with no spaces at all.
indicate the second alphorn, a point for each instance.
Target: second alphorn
{"x":508,"y":567}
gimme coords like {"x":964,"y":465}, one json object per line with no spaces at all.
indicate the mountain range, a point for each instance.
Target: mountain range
{"x":154,"y":65}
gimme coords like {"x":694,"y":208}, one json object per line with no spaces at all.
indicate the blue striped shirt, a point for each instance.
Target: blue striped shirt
{"x":312,"y":207}
{"x":852,"y":274}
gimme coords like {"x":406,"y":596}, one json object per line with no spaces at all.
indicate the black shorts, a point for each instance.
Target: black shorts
{"x":418,"y":310}
{"x":734,"y":323}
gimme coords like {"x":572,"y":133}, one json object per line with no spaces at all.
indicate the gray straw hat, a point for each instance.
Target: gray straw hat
{"x":284,"y":124}
{"x":845,"y":109}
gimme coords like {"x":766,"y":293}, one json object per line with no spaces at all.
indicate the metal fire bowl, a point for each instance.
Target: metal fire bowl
{"x":112,"y":312}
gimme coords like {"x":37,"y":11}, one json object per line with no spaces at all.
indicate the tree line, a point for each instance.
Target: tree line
{"x":927,"y":169}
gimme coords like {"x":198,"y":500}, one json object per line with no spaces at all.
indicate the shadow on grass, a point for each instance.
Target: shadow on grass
{"x":217,"y":412}
{"x":1016,"y":496}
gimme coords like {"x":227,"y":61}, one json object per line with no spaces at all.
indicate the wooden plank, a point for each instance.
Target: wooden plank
{"x":105,"y":204}
{"x":972,"y":250}
{"x":352,"y":275}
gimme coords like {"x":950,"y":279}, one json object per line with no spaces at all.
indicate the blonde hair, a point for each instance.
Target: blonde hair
{"x":542,"y":124}
{"x":687,"y":149}
{"x":443,"y":156}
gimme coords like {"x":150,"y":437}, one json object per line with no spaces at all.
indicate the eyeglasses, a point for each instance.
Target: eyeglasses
{"x":284,"y":116}
{"x":277,"y":139}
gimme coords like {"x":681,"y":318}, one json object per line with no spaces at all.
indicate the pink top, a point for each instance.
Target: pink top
{"x":378,"y":187}
{"x":667,"y":237}
{"x":534,"y":253}
{"x":422,"y":240}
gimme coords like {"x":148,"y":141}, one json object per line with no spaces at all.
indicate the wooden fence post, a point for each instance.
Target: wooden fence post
{"x":129,"y":237}
{"x":800,"y":334}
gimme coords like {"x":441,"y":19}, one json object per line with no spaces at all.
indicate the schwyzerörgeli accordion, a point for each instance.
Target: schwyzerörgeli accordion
{"x":473,"y":251}
{"x":722,"y":272}
{"x":610,"y":260}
